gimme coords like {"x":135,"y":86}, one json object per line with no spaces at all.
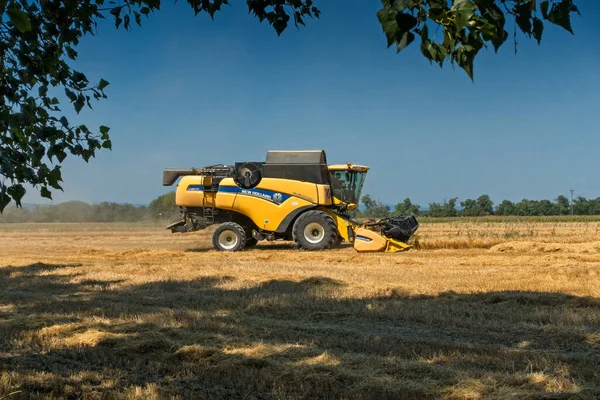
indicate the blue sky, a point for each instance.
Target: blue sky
{"x":187,"y":91}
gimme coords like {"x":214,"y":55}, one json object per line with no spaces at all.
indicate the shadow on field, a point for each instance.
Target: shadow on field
{"x":284,"y":339}
{"x":287,"y":246}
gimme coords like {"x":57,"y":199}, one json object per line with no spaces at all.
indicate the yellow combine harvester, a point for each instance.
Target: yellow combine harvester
{"x":294,"y":195}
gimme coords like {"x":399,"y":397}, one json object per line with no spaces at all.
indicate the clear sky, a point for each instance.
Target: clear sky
{"x":187,"y":91}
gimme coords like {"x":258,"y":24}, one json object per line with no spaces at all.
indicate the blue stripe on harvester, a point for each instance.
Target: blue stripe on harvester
{"x":268,"y":195}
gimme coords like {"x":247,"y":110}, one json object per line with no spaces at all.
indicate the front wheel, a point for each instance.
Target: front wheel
{"x":338,"y":242}
{"x":229,"y":236}
{"x":314,"y":230}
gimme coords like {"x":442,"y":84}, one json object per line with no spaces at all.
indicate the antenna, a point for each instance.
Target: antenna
{"x":571,"y":190}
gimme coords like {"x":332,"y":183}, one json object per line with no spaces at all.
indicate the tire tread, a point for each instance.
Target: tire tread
{"x":314,"y":216}
{"x":231,"y":226}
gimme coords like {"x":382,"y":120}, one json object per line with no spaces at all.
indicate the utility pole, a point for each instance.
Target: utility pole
{"x":571,"y":190}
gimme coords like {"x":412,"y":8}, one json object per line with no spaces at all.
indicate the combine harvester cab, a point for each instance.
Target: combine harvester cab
{"x":293,"y":195}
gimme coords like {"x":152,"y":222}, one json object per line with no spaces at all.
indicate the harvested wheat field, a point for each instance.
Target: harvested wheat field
{"x":481,"y":310}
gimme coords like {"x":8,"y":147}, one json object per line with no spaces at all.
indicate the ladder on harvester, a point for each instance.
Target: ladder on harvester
{"x":208,"y":208}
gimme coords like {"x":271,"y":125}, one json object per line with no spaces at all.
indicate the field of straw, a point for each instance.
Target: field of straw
{"x":477,"y":310}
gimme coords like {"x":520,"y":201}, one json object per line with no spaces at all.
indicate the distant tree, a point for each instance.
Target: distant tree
{"x":546,"y":207}
{"x":164,"y":207}
{"x":469,"y":208}
{"x":15,"y":214}
{"x":564,"y":206}
{"x":581,"y":206}
{"x":367,"y":201}
{"x":485,"y":205}
{"x":528,"y":207}
{"x":506,"y":207}
{"x":450,"y":207}
{"x":76,"y":211}
{"x":374,"y":208}
{"x":445,"y":209}
{"x":594,"y":208}
{"x":406,"y":208}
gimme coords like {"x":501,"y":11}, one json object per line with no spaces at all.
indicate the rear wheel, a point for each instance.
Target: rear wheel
{"x":314,"y":230}
{"x":229,"y":236}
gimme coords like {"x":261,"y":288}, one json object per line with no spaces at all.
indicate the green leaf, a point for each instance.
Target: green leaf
{"x":497,"y":15}
{"x":499,"y":40}
{"x":401,"y":5}
{"x":107,"y":144}
{"x":466,"y":55}
{"x":388,"y":24}
{"x":104,"y":132}
{"x":44,"y":192}
{"x":4,"y":198}
{"x":71,"y":53}
{"x":425,"y":43}
{"x":406,"y":39}
{"x":61,"y":155}
{"x":560,"y":14}
{"x":436,"y":11}
{"x":449,"y":43}
{"x":102,"y":84}
{"x":279,"y":26}
{"x":70,"y":94}
{"x":463,"y":10}
{"x":19,"y":19}
{"x":405,"y":22}
{"x":43,"y":90}
{"x":54,"y":177}
{"x":79,"y":103}
{"x":538,"y":29}
{"x":544,"y":5}
{"x":523,"y":18}
{"x":16,"y":191}
{"x":438,"y":53}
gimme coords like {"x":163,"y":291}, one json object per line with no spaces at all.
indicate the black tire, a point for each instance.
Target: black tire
{"x":338,"y":242}
{"x":250,"y":240}
{"x":229,"y":236}
{"x":321,"y":236}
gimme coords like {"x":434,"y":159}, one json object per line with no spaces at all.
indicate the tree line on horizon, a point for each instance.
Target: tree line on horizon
{"x":163,"y":208}
{"x":481,"y":206}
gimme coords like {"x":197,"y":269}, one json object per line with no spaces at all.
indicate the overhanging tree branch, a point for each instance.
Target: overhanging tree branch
{"x":38,"y":41}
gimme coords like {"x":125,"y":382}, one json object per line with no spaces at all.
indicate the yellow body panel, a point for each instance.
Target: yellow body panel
{"x":225,"y":200}
{"x":324,"y":195}
{"x":342,"y":225}
{"x":269,"y":203}
{"x":349,"y":206}
{"x":190,"y":190}
{"x":394,"y":246}
{"x":371,"y":241}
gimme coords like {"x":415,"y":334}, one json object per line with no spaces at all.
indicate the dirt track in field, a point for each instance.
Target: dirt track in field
{"x":131,"y":311}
